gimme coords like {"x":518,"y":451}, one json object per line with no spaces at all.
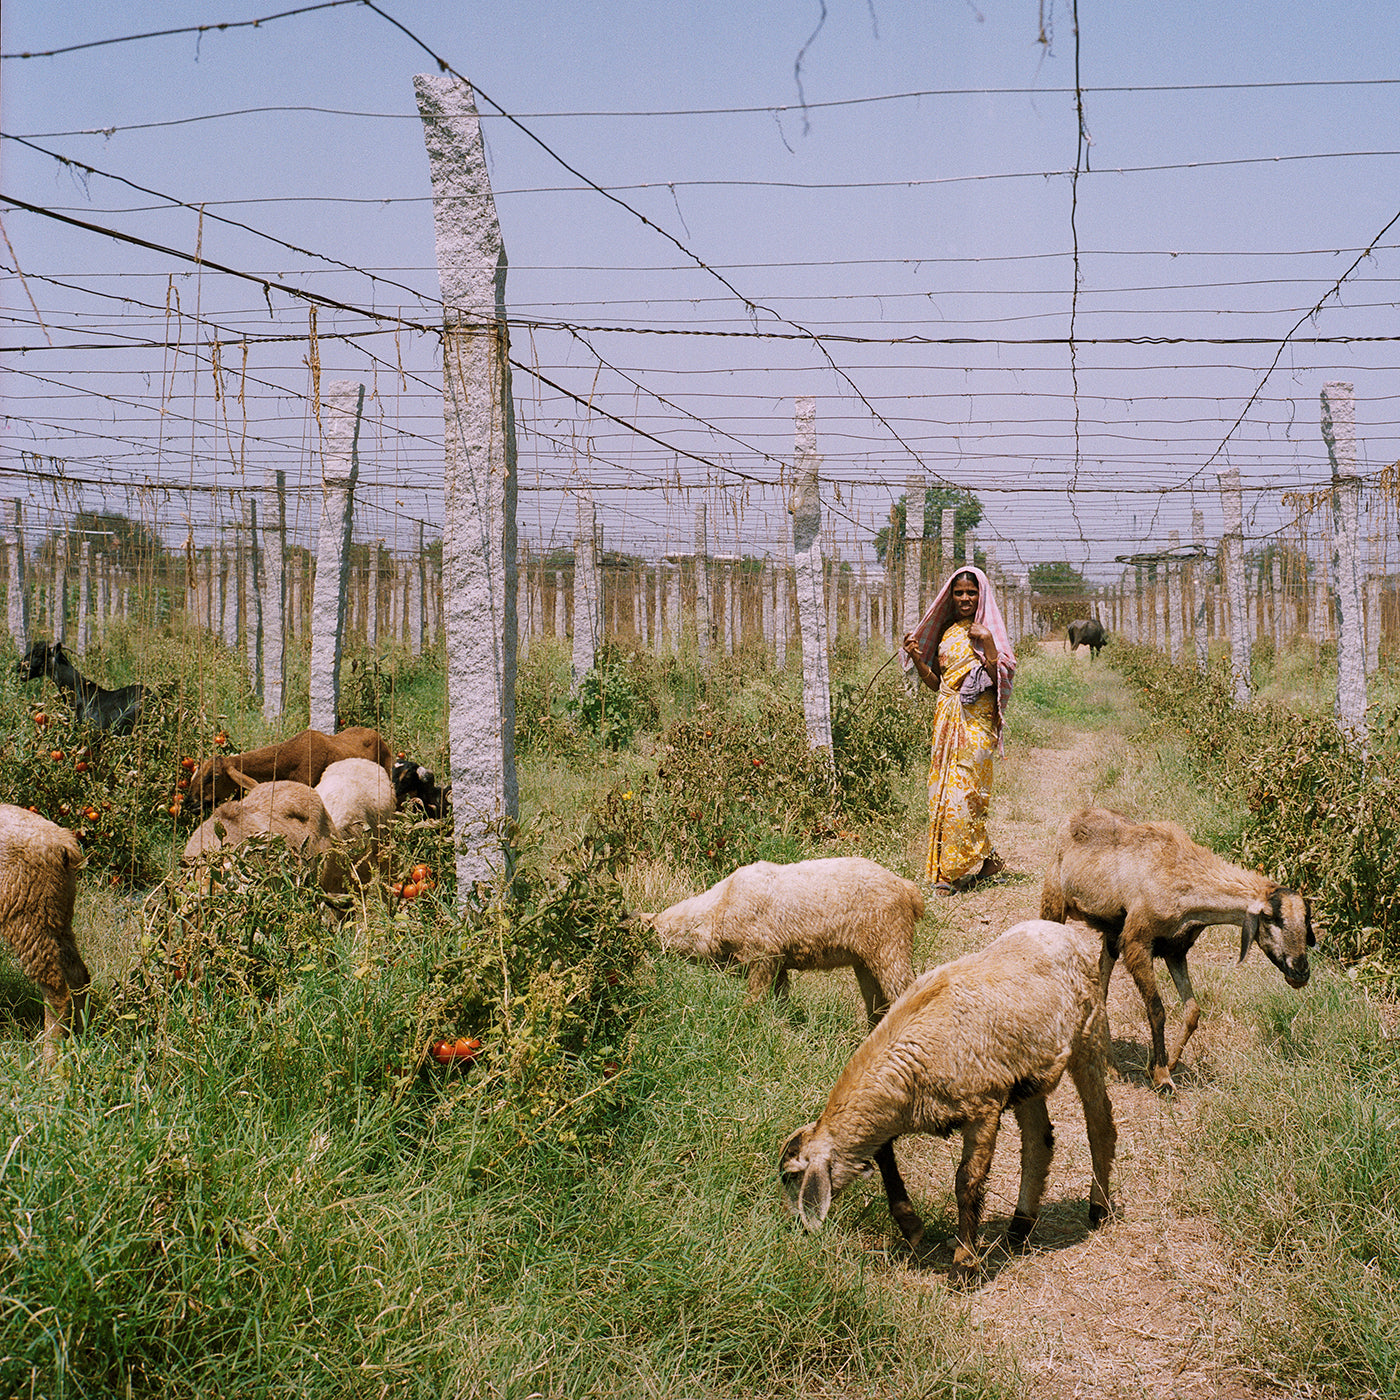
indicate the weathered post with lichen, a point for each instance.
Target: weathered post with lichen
{"x":807,"y":560}
{"x":252,"y":595}
{"x":274,"y":604}
{"x":17,"y":602}
{"x":702,"y":587}
{"x":1232,"y":545}
{"x":1202,"y":592}
{"x":588,"y":610}
{"x":1339,"y":433}
{"x":342,"y":403}
{"x":479,"y":484}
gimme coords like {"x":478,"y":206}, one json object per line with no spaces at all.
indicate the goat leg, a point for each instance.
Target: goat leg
{"x":904,"y":1214}
{"x":1190,"y":1011}
{"x":1037,"y":1147}
{"x":1137,"y":958}
{"x":979,"y":1143}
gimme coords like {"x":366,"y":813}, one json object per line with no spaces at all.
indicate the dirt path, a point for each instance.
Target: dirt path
{"x":1145,"y":1306}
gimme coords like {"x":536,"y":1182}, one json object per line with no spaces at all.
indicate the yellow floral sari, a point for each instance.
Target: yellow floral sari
{"x":960,"y":765}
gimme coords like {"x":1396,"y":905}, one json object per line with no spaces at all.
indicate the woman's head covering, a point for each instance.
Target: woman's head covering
{"x":941,"y":612}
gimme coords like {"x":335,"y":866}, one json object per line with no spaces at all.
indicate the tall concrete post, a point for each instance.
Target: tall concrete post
{"x":372,"y":598}
{"x":913,"y":549}
{"x":703,"y":608}
{"x":673,"y":607}
{"x":417,"y":595}
{"x":807,"y":561}
{"x":1202,"y":592}
{"x":947,"y":552}
{"x":60,"y":591}
{"x":731,"y":630}
{"x":561,"y":621}
{"x":1232,"y":543}
{"x":479,"y":486}
{"x":1373,"y":607}
{"x":1339,"y":432}
{"x":274,"y":606}
{"x":84,"y":596}
{"x":342,"y":403}
{"x":252,"y":593}
{"x":765,"y":595}
{"x":17,"y":602}
{"x":588,"y":613}
{"x":522,"y":598}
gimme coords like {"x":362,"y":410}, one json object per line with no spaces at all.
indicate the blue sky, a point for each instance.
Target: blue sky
{"x":1240,"y":158}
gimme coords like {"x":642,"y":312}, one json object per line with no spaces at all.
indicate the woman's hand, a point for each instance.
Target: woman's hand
{"x":911,"y":650}
{"x":979,"y":632}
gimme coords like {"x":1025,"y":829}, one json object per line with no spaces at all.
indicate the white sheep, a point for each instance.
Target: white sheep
{"x":1150,"y":890}
{"x":844,"y":911}
{"x":291,"y":810}
{"x":991,"y":1031}
{"x":39,"y":864}
{"x":359,"y":799}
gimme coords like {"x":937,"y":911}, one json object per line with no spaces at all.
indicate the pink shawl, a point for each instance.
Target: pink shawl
{"x":933,"y":623}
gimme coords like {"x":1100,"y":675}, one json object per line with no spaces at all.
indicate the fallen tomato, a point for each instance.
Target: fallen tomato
{"x":187,"y":764}
{"x":462,"y":1051}
{"x":41,"y":719}
{"x":56,"y":755}
{"x":410,"y":891}
{"x":80,"y":766}
{"x":421,"y":873}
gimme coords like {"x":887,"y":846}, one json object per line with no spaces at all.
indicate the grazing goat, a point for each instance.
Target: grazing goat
{"x":39,"y":864}
{"x":291,"y":810}
{"x":414,"y":783}
{"x":359,"y":800}
{"x":116,"y":710}
{"x":1150,"y":890}
{"x":772,"y":919}
{"x":1086,"y":633}
{"x":300,"y":759}
{"x":991,"y":1031}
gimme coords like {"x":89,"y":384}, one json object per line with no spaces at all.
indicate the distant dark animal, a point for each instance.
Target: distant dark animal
{"x":1150,"y":890}
{"x":300,"y":759}
{"x":115,"y":710}
{"x":1086,"y":633}
{"x":414,"y":783}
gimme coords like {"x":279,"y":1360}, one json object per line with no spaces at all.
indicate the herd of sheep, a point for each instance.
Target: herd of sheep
{"x":952,"y":1050}
{"x":949,"y":1051}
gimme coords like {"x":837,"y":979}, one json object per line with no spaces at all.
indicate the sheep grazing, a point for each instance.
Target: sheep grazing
{"x":291,"y":810}
{"x":991,"y":1031}
{"x":39,"y":864}
{"x":1150,"y":890}
{"x":359,"y":800}
{"x":844,"y":911}
{"x":414,"y":783}
{"x":300,"y":759}
{"x":116,"y":710}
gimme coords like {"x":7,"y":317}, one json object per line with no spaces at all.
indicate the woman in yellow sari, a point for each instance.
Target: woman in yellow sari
{"x":961,"y":650}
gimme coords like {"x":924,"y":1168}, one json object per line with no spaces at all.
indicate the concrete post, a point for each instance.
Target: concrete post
{"x":561,"y":622}
{"x":588,"y":617}
{"x":914,"y":497}
{"x":342,"y":402}
{"x":274,"y":602}
{"x":522,"y":599}
{"x":862,"y":595}
{"x":946,"y":546}
{"x":970,"y":547}
{"x":765,"y":594}
{"x":1339,"y":432}
{"x":60,"y":592}
{"x":416,"y":596}
{"x":702,"y":587}
{"x":479,"y":487}
{"x":84,"y":596}
{"x":731,"y":638}
{"x":807,"y":557}
{"x":673,"y":607}
{"x":1202,"y":592}
{"x":252,"y":593}
{"x":17,"y":608}
{"x":1232,"y":543}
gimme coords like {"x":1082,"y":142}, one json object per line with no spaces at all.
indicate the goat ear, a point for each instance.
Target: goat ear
{"x":1249,"y":929}
{"x":814,"y":1195}
{"x":1308,"y":923}
{"x":242,"y":779}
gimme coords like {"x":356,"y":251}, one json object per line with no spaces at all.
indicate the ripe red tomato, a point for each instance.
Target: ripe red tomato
{"x":56,"y":755}
{"x":187,"y":764}
{"x":462,"y":1051}
{"x":221,"y":739}
{"x":419,"y":873}
{"x":80,"y":767}
{"x":41,"y":719}
{"x":409,"y":891}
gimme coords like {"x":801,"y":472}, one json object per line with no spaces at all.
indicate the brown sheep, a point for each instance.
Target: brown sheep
{"x":40,"y":862}
{"x":991,"y":1031}
{"x":1150,"y":890}
{"x":291,"y":810}
{"x":300,"y":759}
{"x":844,"y":911}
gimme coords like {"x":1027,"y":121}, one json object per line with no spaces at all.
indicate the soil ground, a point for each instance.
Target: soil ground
{"x":1146,"y":1306}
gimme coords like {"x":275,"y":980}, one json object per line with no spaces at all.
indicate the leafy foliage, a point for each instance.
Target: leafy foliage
{"x":937,"y":499}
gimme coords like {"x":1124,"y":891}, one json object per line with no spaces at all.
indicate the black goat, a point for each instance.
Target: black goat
{"x":412,"y":782}
{"x":115,"y":710}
